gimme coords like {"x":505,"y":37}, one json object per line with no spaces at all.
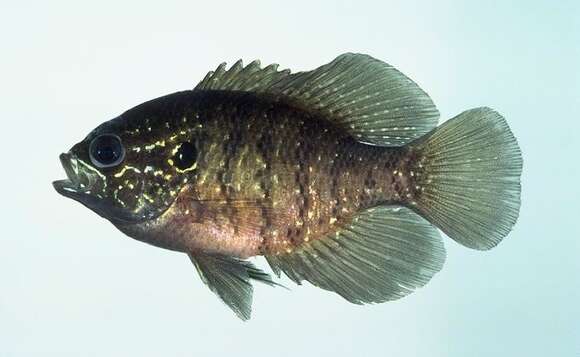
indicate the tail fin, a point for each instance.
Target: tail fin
{"x":469,"y":178}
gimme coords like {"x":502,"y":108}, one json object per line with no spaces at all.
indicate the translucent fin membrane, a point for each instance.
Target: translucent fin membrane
{"x":251,"y":78}
{"x":384,"y":254}
{"x":471,"y":178}
{"x":230,"y":279}
{"x":369,"y":98}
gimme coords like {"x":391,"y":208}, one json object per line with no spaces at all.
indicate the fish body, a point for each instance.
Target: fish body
{"x":269,"y":176}
{"x":334,"y":175}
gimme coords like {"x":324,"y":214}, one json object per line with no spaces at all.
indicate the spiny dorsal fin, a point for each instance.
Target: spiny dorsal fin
{"x":383,"y":254}
{"x":370,"y":99}
{"x":230,"y":279}
{"x":250,"y":78}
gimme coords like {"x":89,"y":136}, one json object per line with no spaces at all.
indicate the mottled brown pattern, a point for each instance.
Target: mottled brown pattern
{"x":302,"y":168}
{"x":271,"y":176}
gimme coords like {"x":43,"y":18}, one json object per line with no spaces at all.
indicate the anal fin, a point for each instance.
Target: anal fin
{"x":384,"y":254}
{"x":230,"y":279}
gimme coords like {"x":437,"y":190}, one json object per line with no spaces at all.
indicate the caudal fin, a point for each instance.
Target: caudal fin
{"x":468,"y":178}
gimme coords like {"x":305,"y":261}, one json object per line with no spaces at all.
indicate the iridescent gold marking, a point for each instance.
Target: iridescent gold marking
{"x":125,"y":169}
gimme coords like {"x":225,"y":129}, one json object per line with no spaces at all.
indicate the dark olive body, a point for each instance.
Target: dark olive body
{"x":268,"y":176}
{"x":338,"y":176}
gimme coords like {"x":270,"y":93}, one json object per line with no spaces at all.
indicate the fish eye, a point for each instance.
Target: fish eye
{"x":106,"y":151}
{"x":185,"y":156}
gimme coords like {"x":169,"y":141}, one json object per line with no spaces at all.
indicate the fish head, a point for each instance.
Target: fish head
{"x":127,"y":170}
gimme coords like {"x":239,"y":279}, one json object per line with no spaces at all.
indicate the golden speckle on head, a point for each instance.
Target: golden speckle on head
{"x":125,"y":168}
{"x":148,"y":198}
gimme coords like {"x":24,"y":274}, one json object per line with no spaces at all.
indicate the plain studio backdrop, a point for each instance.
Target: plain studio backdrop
{"x":72,"y":285}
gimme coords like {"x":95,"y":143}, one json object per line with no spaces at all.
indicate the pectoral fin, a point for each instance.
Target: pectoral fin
{"x":230,"y":279}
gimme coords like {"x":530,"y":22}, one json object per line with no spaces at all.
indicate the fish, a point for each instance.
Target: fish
{"x":339,"y":176}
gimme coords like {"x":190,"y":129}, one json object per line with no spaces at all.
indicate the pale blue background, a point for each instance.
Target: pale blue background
{"x":71,"y":285}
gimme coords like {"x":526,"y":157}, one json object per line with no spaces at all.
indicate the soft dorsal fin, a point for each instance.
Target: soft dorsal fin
{"x":230,"y":279}
{"x":383,"y":254}
{"x":370,"y":99}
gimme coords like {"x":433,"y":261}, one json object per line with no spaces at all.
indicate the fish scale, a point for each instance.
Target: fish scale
{"x":338,"y":176}
{"x":303,"y":188}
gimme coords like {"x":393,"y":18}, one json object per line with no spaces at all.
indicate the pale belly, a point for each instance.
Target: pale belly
{"x":192,"y":228}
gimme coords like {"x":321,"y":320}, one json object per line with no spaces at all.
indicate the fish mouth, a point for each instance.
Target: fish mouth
{"x":76,"y":182}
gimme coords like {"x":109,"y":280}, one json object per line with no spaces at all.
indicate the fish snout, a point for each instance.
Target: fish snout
{"x":77,"y":180}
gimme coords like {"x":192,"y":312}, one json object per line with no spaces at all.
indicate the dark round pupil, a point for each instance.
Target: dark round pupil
{"x":185,"y":156}
{"x":107,"y":149}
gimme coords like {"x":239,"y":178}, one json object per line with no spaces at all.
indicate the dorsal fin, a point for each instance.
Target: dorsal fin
{"x":251,"y":78}
{"x":370,"y":99}
{"x":383,"y":254}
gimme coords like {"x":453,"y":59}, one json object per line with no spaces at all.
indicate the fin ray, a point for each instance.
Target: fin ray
{"x":230,"y":279}
{"x":383,"y":254}
{"x":368,"y":98}
{"x":471,"y":167}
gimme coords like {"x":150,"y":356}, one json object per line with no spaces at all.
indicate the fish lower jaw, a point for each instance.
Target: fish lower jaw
{"x":69,"y":185}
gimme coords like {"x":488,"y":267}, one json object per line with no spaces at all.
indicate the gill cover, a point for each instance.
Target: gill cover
{"x":130,"y":169}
